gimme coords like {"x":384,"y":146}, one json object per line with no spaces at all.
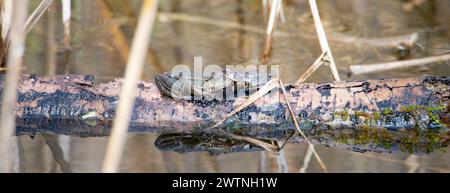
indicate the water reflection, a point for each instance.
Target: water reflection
{"x":101,"y":38}
{"x":214,"y":145}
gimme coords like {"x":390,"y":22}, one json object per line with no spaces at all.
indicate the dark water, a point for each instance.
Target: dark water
{"x":102,"y":31}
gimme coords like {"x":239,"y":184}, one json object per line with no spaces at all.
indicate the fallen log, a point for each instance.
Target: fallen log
{"x":385,"y":115}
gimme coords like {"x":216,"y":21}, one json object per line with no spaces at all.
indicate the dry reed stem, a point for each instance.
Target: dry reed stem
{"x":165,"y":17}
{"x":37,"y":14}
{"x":387,"y":42}
{"x":274,"y":11}
{"x":133,"y":71}
{"x":67,"y":13}
{"x":282,"y":14}
{"x":264,"y":145}
{"x":7,"y":117}
{"x":51,"y":44}
{"x":297,"y":126}
{"x":306,"y":160}
{"x":119,"y":38}
{"x":302,"y":79}
{"x":323,"y":38}
{"x":255,"y":96}
{"x":412,"y":161}
{"x":265,"y":9}
{"x":7,"y":11}
{"x":311,"y":69}
{"x":380,"y":67}
{"x":263,"y":90}
{"x":282,"y":163}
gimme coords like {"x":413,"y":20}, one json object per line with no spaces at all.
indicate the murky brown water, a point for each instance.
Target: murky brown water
{"x":102,"y":30}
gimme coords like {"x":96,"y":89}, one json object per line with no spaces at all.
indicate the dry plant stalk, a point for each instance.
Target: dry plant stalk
{"x":6,"y":15}
{"x":274,"y":11}
{"x":9,"y":99}
{"x":255,"y":96}
{"x":263,"y":90}
{"x":297,"y":126}
{"x":311,"y":69}
{"x":37,"y":14}
{"x":282,"y":163}
{"x":67,"y":13}
{"x":29,"y":24}
{"x":412,"y":161}
{"x":380,"y":67}
{"x":306,"y":160}
{"x":323,"y":39}
{"x":301,"y":80}
{"x":266,"y":8}
{"x":128,"y":92}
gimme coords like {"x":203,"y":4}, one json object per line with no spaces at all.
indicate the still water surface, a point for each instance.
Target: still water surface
{"x":102,"y":31}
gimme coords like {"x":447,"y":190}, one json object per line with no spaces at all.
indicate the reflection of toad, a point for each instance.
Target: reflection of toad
{"x":183,"y":143}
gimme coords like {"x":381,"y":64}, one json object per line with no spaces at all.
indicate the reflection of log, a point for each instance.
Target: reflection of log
{"x":357,"y":114}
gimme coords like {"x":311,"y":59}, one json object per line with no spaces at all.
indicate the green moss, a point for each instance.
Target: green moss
{"x":410,"y":108}
{"x":435,"y":118}
{"x":377,"y":115}
{"x":362,"y":114}
{"x":441,"y":107}
{"x":344,"y":139}
{"x":344,"y":115}
{"x":388,"y":111}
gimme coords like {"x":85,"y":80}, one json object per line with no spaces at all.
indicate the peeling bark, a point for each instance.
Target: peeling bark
{"x":373,"y":115}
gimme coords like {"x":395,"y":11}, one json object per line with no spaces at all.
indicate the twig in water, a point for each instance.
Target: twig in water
{"x":302,"y":79}
{"x":297,"y":126}
{"x":323,"y":38}
{"x":273,"y":83}
{"x":306,"y":160}
{"x":413,"y":162}
{"x":135,"y":64}
{"x":15,"y":57}
{"x":267,"y":146}
{"x":282,"y":163}
{"x":371,"y":68}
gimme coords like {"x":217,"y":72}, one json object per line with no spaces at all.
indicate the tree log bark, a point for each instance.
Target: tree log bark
{"x":410,"y":114}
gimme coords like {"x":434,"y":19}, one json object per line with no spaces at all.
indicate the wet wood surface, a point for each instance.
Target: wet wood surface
{"x":73,"y":104}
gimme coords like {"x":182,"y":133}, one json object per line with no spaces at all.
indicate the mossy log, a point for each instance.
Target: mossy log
{"x":384,"y":115}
